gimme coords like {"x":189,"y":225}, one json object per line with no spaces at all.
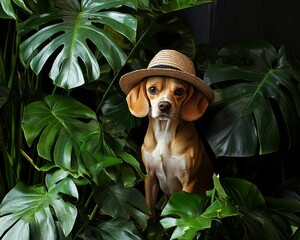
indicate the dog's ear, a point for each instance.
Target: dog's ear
{"x":137,"y":100}
{"x":194,"y":106}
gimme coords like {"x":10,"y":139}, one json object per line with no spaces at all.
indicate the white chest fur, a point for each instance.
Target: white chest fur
{"x":167,"y":167}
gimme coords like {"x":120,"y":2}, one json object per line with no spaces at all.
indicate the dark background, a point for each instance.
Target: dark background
{"x":232,"y":21}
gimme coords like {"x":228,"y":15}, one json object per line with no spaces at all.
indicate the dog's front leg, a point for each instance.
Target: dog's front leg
{"x":189,"y":185}
{"x":151,"y":192}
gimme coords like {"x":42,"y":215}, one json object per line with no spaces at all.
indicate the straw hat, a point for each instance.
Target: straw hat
{"x":168,"y":63}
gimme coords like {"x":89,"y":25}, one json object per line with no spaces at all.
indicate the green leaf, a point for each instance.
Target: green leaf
{"x":287,"y":209}
{"x":219,"y":188}
{"x":114,"y":229}
{"x":69,"y":135}
{"x":220,"y":209}
{"x":57,"y":122}
{"x":116,"y":118}
{"x":272,"y":231}
{"x":184,"y":204}
{"x":189,"y":208}
{"x":133,"y":162}
{"x":95,"y":163}
{"x":118,"y":201}
{"x":251,"y":96}
{"x":26,"y":212}
{"x":95,"y":154}
{"x":66,"y":35}
{"x":296,"y":235}
{"x":243,"y":193}
{"x":248,"y":199}
{"x":290,"y":188}
{"x":220,"y":206}
{"x":7,"y":7}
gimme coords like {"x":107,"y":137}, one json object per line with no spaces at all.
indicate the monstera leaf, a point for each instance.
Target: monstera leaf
{"x":57,"y":121}
{"x":189,"y":213}
{"x":257,"y":101}
{"x":116,"y":118}
{"x":65,"y":127}
{"x":114,"y":229}
{"x":118,"y":201}
{"x":189,"y":208}
{"x":7,"y":7}
{"x":262,"y":218}
{"x":69,"y":34}
{"x":39,"y":212}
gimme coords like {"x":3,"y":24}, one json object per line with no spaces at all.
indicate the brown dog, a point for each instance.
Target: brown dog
{"x":173,"y":155}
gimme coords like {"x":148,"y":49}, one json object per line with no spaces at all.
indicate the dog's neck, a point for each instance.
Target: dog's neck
{"x":164,"y":129}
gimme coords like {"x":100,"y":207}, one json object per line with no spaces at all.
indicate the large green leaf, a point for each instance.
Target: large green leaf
{"x":121,"y":202}
{"x":68,"y":35}
{"x":257,"y":220}
{"x":56,"y":122}
{"x":69,"y":135}
{"x":193,"y":212}
{"x":114,"y":229}
{"x":189,"y":208}
{"x":55,"y":114}
{"x":39,"y":212}
{"x":251,"y":97}
{"x":243,"y":193}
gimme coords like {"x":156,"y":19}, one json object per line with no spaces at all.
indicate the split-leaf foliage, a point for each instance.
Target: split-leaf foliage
{"x":69,"y":160}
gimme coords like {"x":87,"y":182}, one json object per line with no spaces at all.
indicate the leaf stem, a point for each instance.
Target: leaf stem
{"x":29,"y":159}
{"x":88,"y":200}
{"x":93,"y":212}
{"x":213,"y":194}
{"x":119,"y":72}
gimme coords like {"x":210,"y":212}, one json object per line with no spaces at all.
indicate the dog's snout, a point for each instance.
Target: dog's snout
{"x":164,"y":106}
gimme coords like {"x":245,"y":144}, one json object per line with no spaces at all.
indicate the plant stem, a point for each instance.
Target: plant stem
{"x":88,"y":200}
{"x":213,"y":196}
{"x":93,"y":212}
{"x":89,"y":219}
{"x":29,"y":159}
{"x":117,"y":76}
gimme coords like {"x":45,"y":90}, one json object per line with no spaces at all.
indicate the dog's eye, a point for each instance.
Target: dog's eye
{"x":152,"y":90}
{"x":179,"y":91}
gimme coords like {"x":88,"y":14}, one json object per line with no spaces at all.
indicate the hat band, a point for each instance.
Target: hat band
{"x":165,"y":66}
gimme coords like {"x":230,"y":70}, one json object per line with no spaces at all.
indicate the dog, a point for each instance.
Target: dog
{"x":173,"y":155}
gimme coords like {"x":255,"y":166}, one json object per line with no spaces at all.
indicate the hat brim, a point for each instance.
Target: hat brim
{"x":130,"y":80}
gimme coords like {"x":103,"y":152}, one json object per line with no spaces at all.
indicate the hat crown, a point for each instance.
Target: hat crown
{"x":173,"y":60}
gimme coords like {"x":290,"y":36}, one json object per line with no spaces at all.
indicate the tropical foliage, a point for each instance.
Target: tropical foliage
{"x":68,"y":144}
{"x":255,"y":82}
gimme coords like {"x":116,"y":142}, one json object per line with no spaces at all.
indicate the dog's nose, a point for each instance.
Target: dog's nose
{"x":164,"y":106}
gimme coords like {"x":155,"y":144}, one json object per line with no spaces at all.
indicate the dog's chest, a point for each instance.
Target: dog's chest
{"x":167,"y":166}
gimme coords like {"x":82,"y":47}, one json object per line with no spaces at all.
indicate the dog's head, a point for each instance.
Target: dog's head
{"x":166,"y":98}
